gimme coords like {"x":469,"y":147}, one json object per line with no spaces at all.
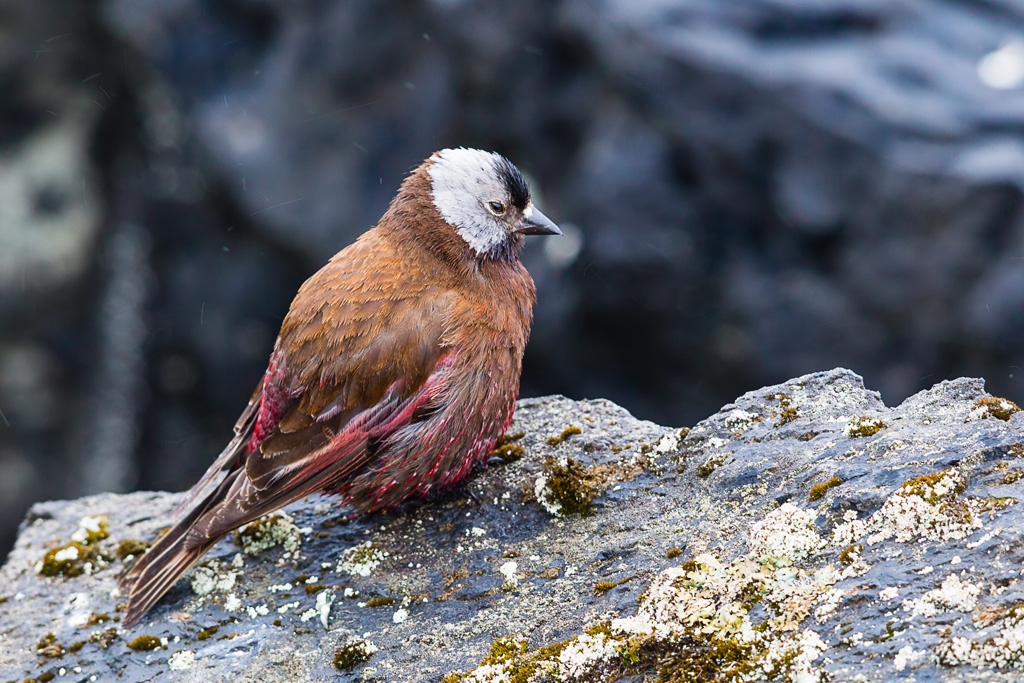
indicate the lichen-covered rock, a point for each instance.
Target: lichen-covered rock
{"x":749,"y":189}
{"x":770,"y":542}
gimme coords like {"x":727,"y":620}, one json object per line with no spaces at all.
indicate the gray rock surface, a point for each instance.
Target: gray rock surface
{"x":808,"y":527}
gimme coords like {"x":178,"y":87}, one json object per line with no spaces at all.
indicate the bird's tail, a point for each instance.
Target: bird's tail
{"x":235,"y":501}
{"x":170,"y":557}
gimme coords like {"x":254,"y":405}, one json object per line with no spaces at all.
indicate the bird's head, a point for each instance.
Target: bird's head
{"x":485,"y":198}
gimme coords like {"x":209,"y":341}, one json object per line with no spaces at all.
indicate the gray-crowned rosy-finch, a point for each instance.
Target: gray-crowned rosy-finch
{"x":396,"y":368}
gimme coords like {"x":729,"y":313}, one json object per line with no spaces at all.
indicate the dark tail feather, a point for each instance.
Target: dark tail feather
{"x":233,"y":502}
{"x":167,"y":560}
{"x":158,"y":577}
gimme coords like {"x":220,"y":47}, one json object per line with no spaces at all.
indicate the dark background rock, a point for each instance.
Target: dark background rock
{"x":754,"y":190}
{"x":442,"y":564}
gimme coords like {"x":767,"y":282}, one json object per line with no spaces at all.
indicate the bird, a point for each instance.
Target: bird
{"x":395,"y":369}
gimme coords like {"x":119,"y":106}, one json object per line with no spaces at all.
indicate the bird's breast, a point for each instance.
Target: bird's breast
{"x":484,"y":341}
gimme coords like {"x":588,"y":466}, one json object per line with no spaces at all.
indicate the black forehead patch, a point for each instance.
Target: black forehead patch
{"x":515,"y":183}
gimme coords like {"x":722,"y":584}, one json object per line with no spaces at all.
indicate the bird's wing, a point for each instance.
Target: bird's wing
{"x":290,"y":465}
{"x":350,"y":348}
{"x":340,"y":381}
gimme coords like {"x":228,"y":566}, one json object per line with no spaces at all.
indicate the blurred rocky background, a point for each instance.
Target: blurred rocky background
{"x":750,"y":190}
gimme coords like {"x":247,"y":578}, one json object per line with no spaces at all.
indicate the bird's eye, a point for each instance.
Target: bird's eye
{"x":497,"y":208}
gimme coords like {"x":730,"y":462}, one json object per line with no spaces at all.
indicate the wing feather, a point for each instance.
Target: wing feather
{"x":339,"y":383}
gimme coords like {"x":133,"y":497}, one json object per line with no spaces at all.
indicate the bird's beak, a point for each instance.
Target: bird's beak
{"x":537,"y":223}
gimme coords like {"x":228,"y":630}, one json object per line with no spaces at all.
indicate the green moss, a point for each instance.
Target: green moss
{"x":703,"y":648}
{"x":673,"y":553}
{"x":506,"y":649}
{"x":145,"y":643}
{"x":97,"y":619}
{"x":380,"y":601}
{"x":699,"y":658}
{"x":786,"y":416}
{"x":352,"y":653}
{"x":75,"y":647}
{"x":849,"y":554}
{"x":49,"y":647}
{"x":710,"y":659}
{"x":705,"y":469}
{"x":510,"y":452}
{"x":787,"y":413}
{"x":314,"y":588}
{"x":818,"y":491}
{"x":520,"y":664}
{"x":564,"y":436}
{"x":207,"y":632}
{"x":549,"y":652}
{"x":71,"y":559}
{"x":602,"y":587}
{"x":690,"y":566}
{"x":566,"y":487}
{"x":131,"y":547}
{"x":1011,"y":476}
{"x":82,"y":554}
{"x":751,"y":594}
{"x":92,"y":537}
{"x":46,"y":677}
{"x":890,"y":633}
{"x":999,"y":408}
{"x":506,"y":448}
{"x":506,"y":439}
{"x":864,"y":426}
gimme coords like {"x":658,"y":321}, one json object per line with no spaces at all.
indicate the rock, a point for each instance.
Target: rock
{"x":805,"y":532}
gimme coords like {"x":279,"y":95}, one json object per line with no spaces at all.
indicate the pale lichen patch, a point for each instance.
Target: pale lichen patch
{"x":694,"y":621}
{"x":269,"y":531}
{"x":212,"y":576}
{"x":181,"y":660}
{"x":669,"y":443}
{"x":955,"y":594}
{"x":907,"y":656}
{"x":508,"y":571}
{"x":850,"y":530}
{"x":1004,"y":650}
{"x":360,"y":560}
{"x":786,"y":532}
{"x":930,"y":507}
{"x":738,"y":421}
